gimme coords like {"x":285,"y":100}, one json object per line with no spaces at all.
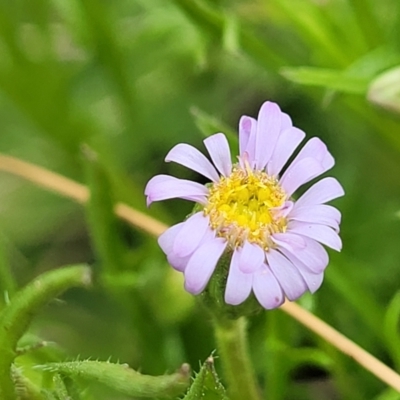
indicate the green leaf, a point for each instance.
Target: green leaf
{"x":368,"y":21}
{"x":347,"y":286}
{"x":310,"y":356}
{"x":230,"y":37}
{"x":212,"y":22}
{"x":59,"y":388}
{"x":123,"y":379}
{"x":388,"y":394}
{"x":16,"y":316}
{"x":101,"y":25}
{"x":208,"y":125}
{"x":374,"y":62}
{"x":385,"y":90}
{"x":315,"y":28}
{"x":391,"y":327}
{"x":327,"y":78}
{"x":7,"y":282}
{"x":106,"y":236}
{"x":206,"y":385}
{"x":24,"y":388}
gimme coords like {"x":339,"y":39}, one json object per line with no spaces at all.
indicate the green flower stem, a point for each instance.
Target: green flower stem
{"x":16,"y":316}
{"x":238,"y":371}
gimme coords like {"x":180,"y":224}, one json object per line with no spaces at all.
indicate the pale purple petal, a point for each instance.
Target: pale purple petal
{"x":191,"y":234}
{"x":267,"y":289}
{"x":328,"y":161}
{"x":167,"y":238}
{"x":178,"y":263}
{"x":286,"y":274}
{"x":286,"y":121}
{"x":218,"y":148}
{"x":268,"y":130}
{"x":238,"y":285}
{"x":321,"y":192}
{"x":190,"y":157}
{"x":318,"y":214}
{"x":251,"y":257}
{"x":166,"y":242}
{"x":313,"y":281}
{"x":289,"y":241}
{"x":316,"y":148}
{"x":313,"y":255}
{"x":321,"y":233}
{"x":287,"y":143}
{"x":202,"y":264}
{"x":250,"y":152}
{"x":283,"y":210}
{"x":247,"y":134}
{"x":300,"y":173}
{"x":162,"y":187}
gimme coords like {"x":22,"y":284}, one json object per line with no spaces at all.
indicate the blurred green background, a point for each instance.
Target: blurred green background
{"x":129,"y":79}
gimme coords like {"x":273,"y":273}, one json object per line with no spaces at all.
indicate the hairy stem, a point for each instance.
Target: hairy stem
{"x":233,"y":348}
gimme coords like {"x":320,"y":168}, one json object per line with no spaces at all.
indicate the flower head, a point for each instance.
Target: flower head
{"x":248,"y":210}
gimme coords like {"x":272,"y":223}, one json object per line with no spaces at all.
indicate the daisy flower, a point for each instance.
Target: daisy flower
{"x":248,"y":210}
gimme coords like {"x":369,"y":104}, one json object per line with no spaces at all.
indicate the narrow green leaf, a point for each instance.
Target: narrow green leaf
{"x":8,"y":30}
{"x":16,"y":316}
{"x":106,"y":237}
{"x":391,"y":326}
{"x":73,"y":14}
{"x":123,"y":379}
{"x":315,"y":28}
{"x":230,"y":38}
{"x":60,"y":389}
{"x":47,"y":395}
{"x":208,"y":125}
{"x":206,"y":385}
{"x":327,"y":78}
{"x":385,"y":90}
{"x":368,"y":22}
{"x":108,"y":50}
{"x":213,"y":23}
{"x":8,"y":285}
{"x":346,"y":285}
{"x":309,"y":356}
{"x":374,"y":62}
{"x":66,"y":388}
{"x":388,"y":394}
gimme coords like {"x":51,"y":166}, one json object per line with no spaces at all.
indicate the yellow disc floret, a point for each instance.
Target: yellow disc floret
{"x":245,"y":206}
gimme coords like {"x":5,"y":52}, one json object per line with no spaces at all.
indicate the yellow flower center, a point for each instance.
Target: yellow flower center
{"x":243,"y":206}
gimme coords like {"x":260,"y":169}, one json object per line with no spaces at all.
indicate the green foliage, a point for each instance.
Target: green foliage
{"x":326,"y":78}
{"x":121,"y":378}
{"x":99,"y":92}
{"x":391,"y":327}
{"x":16,"y":316}
{"x":102,"y":220}
{"x":206,"y":384}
